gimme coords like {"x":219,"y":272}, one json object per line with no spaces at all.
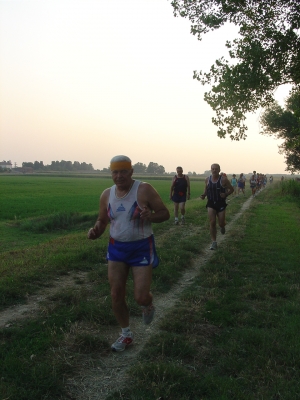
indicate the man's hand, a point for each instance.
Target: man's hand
{"x":92,"y":234}
{"x":146,"y":213}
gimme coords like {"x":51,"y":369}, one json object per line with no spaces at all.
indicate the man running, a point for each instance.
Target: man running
{"x":130,"y":206}
{"x":241,"y":184}
{"x":180,"y":192}
{"x":234,"y":183}
{"x":253,"y":183}
{"x":217,"y":188}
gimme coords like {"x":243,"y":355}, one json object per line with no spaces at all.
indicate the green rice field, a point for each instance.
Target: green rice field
{"x":36,"y":209}
{"x":33,"y":196}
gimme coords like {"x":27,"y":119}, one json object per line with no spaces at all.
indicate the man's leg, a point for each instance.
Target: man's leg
{"x":182,"y":208}
{"x":182,"y":211}
{"x":117,"y":276}
{"x":142,"y":277}
{"x":142,"y":281}
{"x":221,"y":219}
{"x":212,"y":214}
{"x":176,"y":207}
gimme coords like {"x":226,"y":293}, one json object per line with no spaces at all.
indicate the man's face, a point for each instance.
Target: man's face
{"x":122,"y":177}
{"x":179,"y":171}
{"x":215,"y":169}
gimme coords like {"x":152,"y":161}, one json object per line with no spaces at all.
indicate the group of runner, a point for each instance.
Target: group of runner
{"x":130,"y":207}
{"x":217,"y":188}
{"x":257,"y":182}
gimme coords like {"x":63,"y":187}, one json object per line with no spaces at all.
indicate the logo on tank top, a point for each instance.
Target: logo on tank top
{"x":121,"y":208}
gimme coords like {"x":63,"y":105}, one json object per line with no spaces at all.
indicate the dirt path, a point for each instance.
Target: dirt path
{"x":91,"y":382}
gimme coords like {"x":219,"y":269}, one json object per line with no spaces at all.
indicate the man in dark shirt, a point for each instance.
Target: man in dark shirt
{"x":180,"y":192}
{"x":217,"y":188}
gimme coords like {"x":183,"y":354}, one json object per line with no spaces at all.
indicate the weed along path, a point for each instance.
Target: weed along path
{"x":97,"y":378}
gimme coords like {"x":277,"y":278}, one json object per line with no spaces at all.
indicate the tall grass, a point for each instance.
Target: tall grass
{"x":291,"y":187}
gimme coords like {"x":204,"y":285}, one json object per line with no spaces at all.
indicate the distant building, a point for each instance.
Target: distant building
{"x":6,"y":164}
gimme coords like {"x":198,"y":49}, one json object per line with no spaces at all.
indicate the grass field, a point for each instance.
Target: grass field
{"x":34,"y":196}
{"x":233,"y":334}
{"x":54,"y":206}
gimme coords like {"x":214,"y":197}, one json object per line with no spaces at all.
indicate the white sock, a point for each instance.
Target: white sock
{"x":126,"y":331}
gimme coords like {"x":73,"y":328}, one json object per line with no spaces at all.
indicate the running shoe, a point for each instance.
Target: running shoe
{"x":122,"y":342}
{"x":148,"y":314}
{"x":176,"y":221}
{"x":182,"y":220}
{"x":213,"y":246}
{"x":222,"y":230}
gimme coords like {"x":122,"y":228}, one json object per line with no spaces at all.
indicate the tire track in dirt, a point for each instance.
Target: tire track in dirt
{"x":11,"y":315}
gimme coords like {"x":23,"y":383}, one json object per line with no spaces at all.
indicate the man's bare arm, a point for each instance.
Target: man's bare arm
{"x":152,"y":205}
{"x":188,"y":187}
{"x":228,"y":187}
{"x":172,"y":187}
{"x":102,"y":220}
{"x":205,"y":190}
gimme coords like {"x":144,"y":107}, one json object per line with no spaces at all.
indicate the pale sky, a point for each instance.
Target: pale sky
{"x":85,"y":80}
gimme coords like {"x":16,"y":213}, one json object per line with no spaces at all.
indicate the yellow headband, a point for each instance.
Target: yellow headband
{"x":117,"y":165}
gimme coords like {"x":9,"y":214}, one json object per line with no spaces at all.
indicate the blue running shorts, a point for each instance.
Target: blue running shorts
{"x":139,"y":253}
{"x":179,"y":197}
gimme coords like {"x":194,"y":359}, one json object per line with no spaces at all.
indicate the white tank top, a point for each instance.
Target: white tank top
{"x":124,"y":215}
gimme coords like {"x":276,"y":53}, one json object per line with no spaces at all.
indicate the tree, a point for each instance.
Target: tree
{"x":151,"y":167}
{"x":27,"y":164}
{"x":285,"y":124}
{"x":154,"y":168}
{"x":264,"y":56}
{"x":76,"y":165}
{"x":139,"y":167}
{"x":160,"y":170}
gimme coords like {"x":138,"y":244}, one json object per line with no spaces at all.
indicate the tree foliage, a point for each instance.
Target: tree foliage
{"x":154,"y":168}
{"x":265,"y":55}
{"x":285,"y":124}
{"x":59,"y":166}
{"x":139,"y":167}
